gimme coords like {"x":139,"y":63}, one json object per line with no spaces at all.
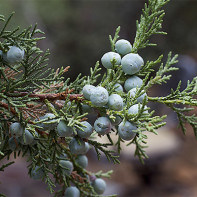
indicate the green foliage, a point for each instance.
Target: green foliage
{"x":150,"y":24}
{"x":29,"y":90}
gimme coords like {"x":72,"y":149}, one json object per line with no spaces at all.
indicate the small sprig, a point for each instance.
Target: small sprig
{"x":150,"y":24}
{"x":161,"y":76}
{"x":108,"y":153}
{"x":6,"y":165}
{"x":113,"y":40}
{"x":177,"y":99}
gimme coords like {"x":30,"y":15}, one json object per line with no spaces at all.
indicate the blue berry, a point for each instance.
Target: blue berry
{"x":49,"y":123}
{"x":109,"y":57}
{"x":99,"y":185}
{"x":99,"y":97}
{"x":87,"y":130}
{"x":67,"y":167}
{"x":72,"y":192}
{"x":132,"y":63}
{"x":132,"y":93}
{"x":77,"y":146}
{"x":123,"y":47}
{"x":125,"y":130}
{"x":12,"y":142}
{"x":29,"y":138}
{"x":63,"y":156}
{"x":36,"y":135}
{"x":102,"y":125}
{"x":14,"y":55}
{"x":40,"y":124}
{"x":63,"y":130}
{"x":87,"y":148}
{"x":133,"y":82}
{"x":115,"y":102}
{"x":37,"y":173}
{"x":82,"y":161}
{"x":87,"y":90}
{"x":135,"y":108}
{"x":16,"y":129}
{"x":118,"y":87}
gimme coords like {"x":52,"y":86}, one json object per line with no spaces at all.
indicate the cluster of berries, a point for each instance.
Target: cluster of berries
{"x":20,"y":135}
{"x":98,"y":184}
{"x":77,"y":147}
{"x":99,"y":97}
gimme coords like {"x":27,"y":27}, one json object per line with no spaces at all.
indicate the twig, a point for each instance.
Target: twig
{"x":50,"y":97}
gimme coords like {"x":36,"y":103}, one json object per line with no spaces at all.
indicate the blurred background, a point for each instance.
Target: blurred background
{"x":77,"y":35}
